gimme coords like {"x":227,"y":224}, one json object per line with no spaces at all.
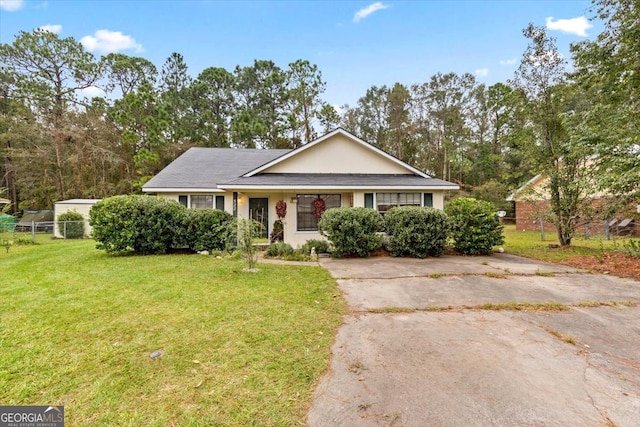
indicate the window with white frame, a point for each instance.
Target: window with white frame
{"x":386,"y":201}
{"x":307,"y":215}
{"x":201,"y":202}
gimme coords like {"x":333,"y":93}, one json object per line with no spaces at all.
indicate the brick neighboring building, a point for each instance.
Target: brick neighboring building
{"x":532,"y":204}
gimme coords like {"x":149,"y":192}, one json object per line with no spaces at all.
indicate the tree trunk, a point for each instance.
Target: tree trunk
{"x":10,"y":179}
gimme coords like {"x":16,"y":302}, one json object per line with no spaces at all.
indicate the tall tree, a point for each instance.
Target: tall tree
{"x":541,"y":76}
{"x":445,"y":100}
{"x":608,"y":69}
{"x":305,"y":87}
{"x":102,"y":166}
{"x":174,"y":94}
{"x":328,"y":117}
{"x":370,"y":116}
{"x":126,"y":73}
{"x":18,"y":128}
{"x":143,"y":121}
{"x":49,"y":72}
{"x":213,"y":106}
{"x":261,"y":116}
{"x":399,"y":139}
{"x":509,"y":134}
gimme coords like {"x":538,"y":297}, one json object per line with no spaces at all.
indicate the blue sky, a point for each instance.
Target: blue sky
{"x":356,"y":44}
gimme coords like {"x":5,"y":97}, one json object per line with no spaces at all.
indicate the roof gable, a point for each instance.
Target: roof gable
{"x":338,"y":152}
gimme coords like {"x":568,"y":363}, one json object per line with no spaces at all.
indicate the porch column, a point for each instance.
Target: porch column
{"x":235,"y":204}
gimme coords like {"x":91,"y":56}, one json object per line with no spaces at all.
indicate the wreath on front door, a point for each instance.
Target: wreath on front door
{"x":319,"y":206}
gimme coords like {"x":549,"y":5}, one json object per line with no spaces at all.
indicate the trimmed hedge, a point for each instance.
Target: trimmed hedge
{"x":71,"y":225}
{"x":279,"y":249}
{"x":153,"y":225}
{"x":208,"y":230}
{"x":352,"y":231}
{"x":322,"y":246}
{"x":139,"y":224}
{"x":416,"y":232}
{"x":475,"y":227}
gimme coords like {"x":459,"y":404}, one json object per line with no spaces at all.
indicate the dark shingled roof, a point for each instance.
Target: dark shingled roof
{"x":341,"y":180}
{"x":202,"y":167}
{"x":211,"y":168}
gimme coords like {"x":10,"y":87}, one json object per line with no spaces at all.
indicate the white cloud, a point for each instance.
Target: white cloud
{"x":373,"y":7}
{"x":56,"y":29}
{"x":92,"y":92}
{"x":577,"y":26}
{"x":482,"y":72}
{"x":11,"y":5}
{"x":511,"y":61}
{"x":105,"y":41}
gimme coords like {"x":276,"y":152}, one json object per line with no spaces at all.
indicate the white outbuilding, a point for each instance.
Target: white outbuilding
{"x":82,"y":206}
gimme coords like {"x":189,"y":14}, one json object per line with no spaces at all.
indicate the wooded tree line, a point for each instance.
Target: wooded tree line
{"x":56,"y":142}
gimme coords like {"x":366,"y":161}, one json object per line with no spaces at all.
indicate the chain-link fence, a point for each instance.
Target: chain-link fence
{"x":38,"y":231}
{"x":585,"y":229}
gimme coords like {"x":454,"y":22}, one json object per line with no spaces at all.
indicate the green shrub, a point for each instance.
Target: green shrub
{"x":417,"y":232}
{"x":71,"y":225}
{"x":138,"y":224}
{"x":352,"y":231}
{"x":247,"y":231}
{"x":632,"y":248}
{"x":297,"y":256}
{"x":277,"y":235}
{"x":206,"y":230}
{"x":279,"y":249}
{"x":322,"y":246}
{"x":475,"y":227}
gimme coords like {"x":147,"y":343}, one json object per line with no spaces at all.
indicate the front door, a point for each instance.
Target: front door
{"x":259,"y":211}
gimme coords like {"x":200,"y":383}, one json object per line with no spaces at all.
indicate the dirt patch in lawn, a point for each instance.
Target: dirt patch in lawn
{"x":613,"y":263}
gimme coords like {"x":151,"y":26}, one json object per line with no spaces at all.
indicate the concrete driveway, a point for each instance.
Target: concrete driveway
{"x":420,"y":347}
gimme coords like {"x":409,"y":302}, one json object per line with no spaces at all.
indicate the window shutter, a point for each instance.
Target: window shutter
{"x":220,"y":202}
{"x":428,"y":200}
{"x":368,"y":200}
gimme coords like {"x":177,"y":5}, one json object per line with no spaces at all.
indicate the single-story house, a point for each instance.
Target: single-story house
{"x":335,"y":170}
{"x":82,"y":206}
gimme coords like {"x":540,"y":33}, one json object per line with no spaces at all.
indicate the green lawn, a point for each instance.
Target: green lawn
{"x":77,"y":327}
{"x":529,"y":244}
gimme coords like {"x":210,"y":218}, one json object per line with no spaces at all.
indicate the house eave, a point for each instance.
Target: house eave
{"x":340,"y":187}
{"x":181,"y":190}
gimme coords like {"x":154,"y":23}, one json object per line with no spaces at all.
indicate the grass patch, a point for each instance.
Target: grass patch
{"x":592,"y":304}
{"x":566,"y":338}
{"x":525,"y":306}
{"x":530,"y":245}
{"x":437,"y":309}
{"x":392,"y":310}
{"x":78,"y":327}
{"x":545,"y":273}
{"x":589,"y":304}
{"x":495,"y":275}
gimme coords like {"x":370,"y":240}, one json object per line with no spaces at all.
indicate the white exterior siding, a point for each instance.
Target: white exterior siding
{"x":338,"y":155}
{"x":82,"y":206}
{"x":291,"y":234}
